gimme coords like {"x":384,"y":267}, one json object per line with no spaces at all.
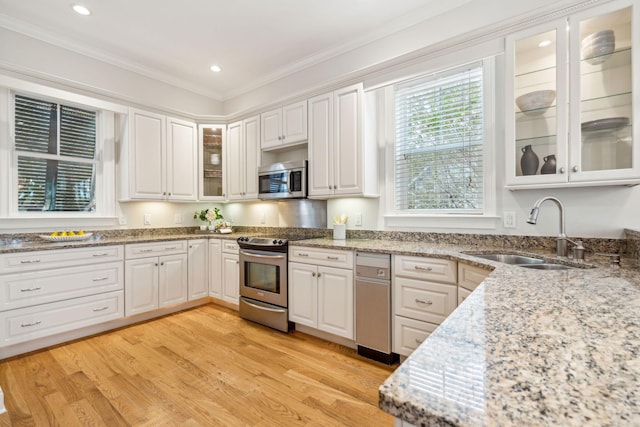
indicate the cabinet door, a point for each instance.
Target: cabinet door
{"x":536,"y":104}
{"x":182,"y":158}
{"x":230,"y":277}
{"x":294,"y":122}
{"x":602,"y":111}
{"x":235,"y":162}
{"x":321,"y":145}
{"x":335,"y":301}
{"x":271,"y":129}
{"x":173,"y":280}
{"x":215,"y":268}
{"x":347,"y":154}
{"x":141,"y":285}
{"x":303,"y":294}
{"x":146,"y":154}
{"x":212,"y":153}
{"x":198,"y":271}
{"x":251,"y":127}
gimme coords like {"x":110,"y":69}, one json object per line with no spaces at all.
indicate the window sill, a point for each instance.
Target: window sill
{"x":439,"y":222}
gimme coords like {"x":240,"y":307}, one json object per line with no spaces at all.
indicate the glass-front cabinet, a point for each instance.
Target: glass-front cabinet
{"x":571,"y":101}
{"x":212,"y":152}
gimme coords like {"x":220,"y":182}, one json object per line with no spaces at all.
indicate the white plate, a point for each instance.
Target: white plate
{"x":48,"y":238}
{"x":601,"y":124}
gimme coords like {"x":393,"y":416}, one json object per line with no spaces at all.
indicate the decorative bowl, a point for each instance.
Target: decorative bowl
{"x":598,"y":47}
{"x":535,"y":103}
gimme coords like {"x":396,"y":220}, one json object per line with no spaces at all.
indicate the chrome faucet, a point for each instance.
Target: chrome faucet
{"x":561,"y":244}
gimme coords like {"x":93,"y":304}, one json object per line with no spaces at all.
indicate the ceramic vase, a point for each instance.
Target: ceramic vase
{"x":529,"y":161}
{"x":549,"y":166}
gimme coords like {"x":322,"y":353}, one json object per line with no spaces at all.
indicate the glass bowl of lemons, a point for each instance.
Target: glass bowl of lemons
{"x":66,"y":236}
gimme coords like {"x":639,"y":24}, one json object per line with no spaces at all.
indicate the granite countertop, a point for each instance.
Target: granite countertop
{"x":93,"y":241}
{"x":528,"y":347}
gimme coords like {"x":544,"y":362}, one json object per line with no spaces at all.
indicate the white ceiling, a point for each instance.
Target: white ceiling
{"x":254,"y":41}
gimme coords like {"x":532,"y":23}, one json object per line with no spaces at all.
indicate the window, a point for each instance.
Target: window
{"x":55,"y":145}
{"x":439,"y":139}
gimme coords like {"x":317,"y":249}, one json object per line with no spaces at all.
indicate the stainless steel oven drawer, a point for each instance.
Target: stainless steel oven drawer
{"x":266,"y":314}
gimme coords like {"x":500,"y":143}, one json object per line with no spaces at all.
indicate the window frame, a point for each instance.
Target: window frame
{"x":433,"y":219}
{"x":105,"y":180}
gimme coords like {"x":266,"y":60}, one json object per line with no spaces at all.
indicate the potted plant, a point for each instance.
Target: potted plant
{"x":208,"y":216}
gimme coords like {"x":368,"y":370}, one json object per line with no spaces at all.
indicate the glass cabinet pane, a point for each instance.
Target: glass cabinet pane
{"x":606,"y":91}
{"x":212,"y":162}
{"x":536,"y":126}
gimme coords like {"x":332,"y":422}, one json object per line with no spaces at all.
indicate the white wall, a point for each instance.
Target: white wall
{"x":26,"y":56}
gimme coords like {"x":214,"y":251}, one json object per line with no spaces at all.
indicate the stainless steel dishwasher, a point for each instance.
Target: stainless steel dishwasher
{"x":373,"y":306}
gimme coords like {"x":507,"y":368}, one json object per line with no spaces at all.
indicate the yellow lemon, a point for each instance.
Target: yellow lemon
{"x":71,"y":233}
{"x":63,"y":234}
{"x":54,"y":234}
{"x":80,"y":233}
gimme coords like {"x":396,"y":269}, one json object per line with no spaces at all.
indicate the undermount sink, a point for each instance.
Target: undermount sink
{"x":522,"y":261}
{"x":547,"y":266}
{"x":511,"y":259}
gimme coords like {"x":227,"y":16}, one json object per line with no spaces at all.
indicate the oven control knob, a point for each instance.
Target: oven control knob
{"x":275,"y":242}
{"x":279,"y":242}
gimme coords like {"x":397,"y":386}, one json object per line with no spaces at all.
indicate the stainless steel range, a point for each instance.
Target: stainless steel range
{"x":263,"y":281}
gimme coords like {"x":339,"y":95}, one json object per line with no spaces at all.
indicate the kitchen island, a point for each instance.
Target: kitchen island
{"x":528,"y":347}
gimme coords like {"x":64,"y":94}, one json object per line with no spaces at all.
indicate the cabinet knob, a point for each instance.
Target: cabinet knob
{"x":162,"y":263}
{"x":313,"y":274}
{"x":562,"y":170}
{"x":156,"y":264}
{"x":318,"y":274}
{"x":575,"y":169}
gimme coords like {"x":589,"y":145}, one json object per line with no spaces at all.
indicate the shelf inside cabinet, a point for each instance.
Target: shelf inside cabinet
{"x":547,"y":140}
{"x":616,"y":59}
{"x":537,"y":114}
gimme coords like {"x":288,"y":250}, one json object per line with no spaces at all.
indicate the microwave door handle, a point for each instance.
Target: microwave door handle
{"x":289,"y":182}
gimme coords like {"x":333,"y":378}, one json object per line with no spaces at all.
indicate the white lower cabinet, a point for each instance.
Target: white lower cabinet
{"x":425,"y":293}
{"x":215,"y":268}
{"x":469,"y":277}
{"x":224,"y":270}
{"x":152,"y":282}
{"x":198,"y":274}
{"x":230,"y":277}
{"x":44,"y":293}
{"x":321,"y":297}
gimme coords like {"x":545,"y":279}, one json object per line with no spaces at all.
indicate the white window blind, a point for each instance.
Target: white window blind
{"x":56,"y":154}
{"x":439,"y":143}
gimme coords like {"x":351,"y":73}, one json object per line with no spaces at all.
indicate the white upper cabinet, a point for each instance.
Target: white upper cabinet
{"x":284,"y":126}
{"x":212,"y":154}
{"x":341,"y":163}
{"x":158,"y":158}
{"x":243,"y":159}
{"x":569,"y":101}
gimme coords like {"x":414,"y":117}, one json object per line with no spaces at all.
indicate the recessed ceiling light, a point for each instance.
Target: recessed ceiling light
{"x":81,"y":10}
{"x":216,"y":68}
{"x":544,"y":43}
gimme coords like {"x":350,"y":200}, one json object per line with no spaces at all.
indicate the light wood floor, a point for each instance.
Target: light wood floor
{"x":204,"y":366}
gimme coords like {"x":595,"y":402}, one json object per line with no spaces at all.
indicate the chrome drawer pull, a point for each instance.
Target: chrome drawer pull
{"x":420,"y":268}
{"x":302,"y":254}
{"x":102,"y":254}
{"x":100,"y":279}
{"x":170,"y":248}
{"x":101,"y":308}
{"x":29,"y":261}
{"x":26,"y":325}
{"x":146,"y":250}
{"x":419,"y":301}
{"x":30,"y":289}
{"x":418,"y":341}
{"x":335,"y":258}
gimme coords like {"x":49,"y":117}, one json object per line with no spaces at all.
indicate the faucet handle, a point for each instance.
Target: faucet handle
{"x":578,"y":250}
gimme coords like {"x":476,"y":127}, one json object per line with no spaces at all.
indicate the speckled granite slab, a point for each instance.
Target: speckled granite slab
{"x":633,"y":243}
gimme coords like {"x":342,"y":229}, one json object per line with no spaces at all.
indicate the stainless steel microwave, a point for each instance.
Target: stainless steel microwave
{"x":285,"y":180}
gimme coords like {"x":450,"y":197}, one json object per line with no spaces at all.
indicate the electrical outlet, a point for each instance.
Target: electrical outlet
{"x":509,"y":219}
{"x":147,"y":219}
{"x":357,"y":219}
{"x":178,"y":218}
{"x":122,"y":220}
{"x":263,"y":218}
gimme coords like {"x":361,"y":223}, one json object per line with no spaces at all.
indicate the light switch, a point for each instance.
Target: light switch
{"x":357,"y":219}
{"x":509,"y":219}
{"x":147,"y":219}
{"x":178,"y":218}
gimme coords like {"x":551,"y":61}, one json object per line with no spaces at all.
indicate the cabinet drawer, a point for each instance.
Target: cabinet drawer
{"x":408,"y":334}
{"x":40,"y":260}
{"x":426,"y":301}
{"x":144,"y":250}
{"x":30,"y":323}
{"x":326,"y":257}
{"x":38,"y":287}
{"x":230,"y":246}
{"x":469,"y":277}
{"x":434,"y":269}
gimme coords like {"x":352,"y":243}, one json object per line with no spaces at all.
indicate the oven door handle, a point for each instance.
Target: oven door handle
{"x":251,"y":254}
{"x":262,"y":308}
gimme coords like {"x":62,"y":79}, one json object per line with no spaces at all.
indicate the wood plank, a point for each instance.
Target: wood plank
{"x":203,"y":366}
